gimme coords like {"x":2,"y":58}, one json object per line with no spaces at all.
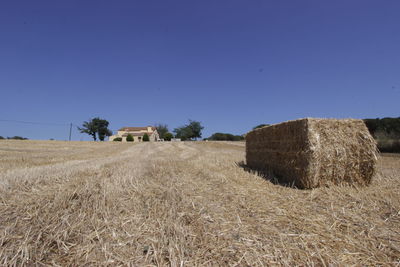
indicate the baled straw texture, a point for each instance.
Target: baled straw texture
{"x":310,"y":153}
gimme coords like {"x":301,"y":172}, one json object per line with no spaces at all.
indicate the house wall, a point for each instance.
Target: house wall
{"x":153,"y":137}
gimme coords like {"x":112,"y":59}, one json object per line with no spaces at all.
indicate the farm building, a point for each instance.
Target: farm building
{"x":137,"y":133}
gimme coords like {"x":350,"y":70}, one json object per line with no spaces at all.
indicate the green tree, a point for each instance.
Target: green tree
{"x":388,"y":127}
{"x":96,"y":127}
{"x":1,"y":137}
{"x":386,"y":131}
{"x":189,"y":131}
{"x":196,"y":128}
{"x":168,"y":136}
{"x":162,"y":129}
{"x":129,"y":138}
{"x":102,"y":128}
{"x":183,"y":132}
{"x":88,"y":127}
{"x":146,"y":138}
{"x":372,"y":125}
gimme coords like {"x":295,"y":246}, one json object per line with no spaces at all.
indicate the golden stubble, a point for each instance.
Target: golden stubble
{"x":183,"y":204}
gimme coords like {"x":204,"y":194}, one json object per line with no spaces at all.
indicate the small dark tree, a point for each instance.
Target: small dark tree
{"x":129,"y":138}
{"x":96,"y":127}
{"x":102,"y":128}
{"x":1,"y":137}
{"x":117,"y":139}
{"x":184,"y":133}
{"x":162,"y":129}
{"x":196,"y":128}
{"x":146,"y":138}
{"x":103,"y":133}
{"x":168,"y":136}
{"x":89,"y":128}
{"x":189,"y":131}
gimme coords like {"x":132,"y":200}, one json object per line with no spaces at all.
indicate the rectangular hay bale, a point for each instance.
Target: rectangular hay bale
{"x":310,"y":152}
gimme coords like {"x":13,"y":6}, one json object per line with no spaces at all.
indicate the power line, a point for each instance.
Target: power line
{"x":37,"y":123}
{"x":49,"y":124}
{"x":44,"y":123}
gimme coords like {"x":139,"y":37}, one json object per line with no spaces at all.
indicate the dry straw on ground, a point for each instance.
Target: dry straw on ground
{"x":314,"y":152}
{"x":183,"y":204}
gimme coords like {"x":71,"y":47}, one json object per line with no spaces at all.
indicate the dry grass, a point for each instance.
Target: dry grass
{"x":184,"y":204}
{"x":14,"y":154}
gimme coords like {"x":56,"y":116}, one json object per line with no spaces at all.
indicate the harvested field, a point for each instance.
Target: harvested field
{"x":183,"y":204}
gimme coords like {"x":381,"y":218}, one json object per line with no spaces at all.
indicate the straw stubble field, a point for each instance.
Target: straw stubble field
{"x":183,"y":204}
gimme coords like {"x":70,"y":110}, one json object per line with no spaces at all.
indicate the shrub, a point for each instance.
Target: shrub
{"x":146,"y":138}
{"x":168,"y":136}
{"x":129,"y":138}
{"x":17,"y":138}
{"x":1,"y":137}
{"x":117,"y":139}
{"x":225,"y":137}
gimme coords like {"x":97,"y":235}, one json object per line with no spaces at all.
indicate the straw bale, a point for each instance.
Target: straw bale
{"x":310,"y":153}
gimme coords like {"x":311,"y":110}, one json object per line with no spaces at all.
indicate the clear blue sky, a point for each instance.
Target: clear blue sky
{"x":229,"y":64}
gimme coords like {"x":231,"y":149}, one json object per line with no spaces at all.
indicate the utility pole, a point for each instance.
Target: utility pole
{"x":70,"y":130}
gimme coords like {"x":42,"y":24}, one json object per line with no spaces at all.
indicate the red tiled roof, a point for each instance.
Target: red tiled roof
{"x":135,"y":129}
{"x":137,"y":134}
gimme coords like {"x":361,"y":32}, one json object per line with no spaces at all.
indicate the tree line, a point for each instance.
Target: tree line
{"x":225,"y":137}
{"x":14,"y":138}
{"x":187,"y":132}
{"x":389,"y":127}
{"x":386,"y":132}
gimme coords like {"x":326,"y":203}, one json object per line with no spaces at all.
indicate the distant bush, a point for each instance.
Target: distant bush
{"x":1,"y":137}
{"x":17,"y":138}
{"x":146,"y":138}
{"x":117,"y":139}
{"x":168,"y":136}
{"x":225,"y":137}
{"x":129,"y":138}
